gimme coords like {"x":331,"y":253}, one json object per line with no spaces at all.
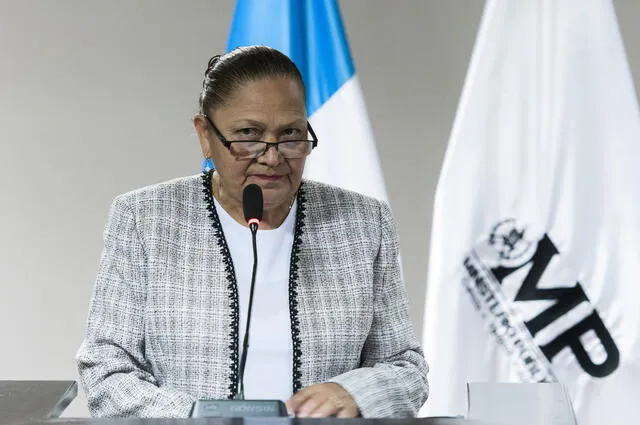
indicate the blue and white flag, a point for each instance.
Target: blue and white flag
{"x":311,"y":33}
{"x":535,"y":249}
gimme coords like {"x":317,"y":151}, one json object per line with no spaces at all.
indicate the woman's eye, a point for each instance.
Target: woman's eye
{"x":292,"y":132}
{"x":249,"y":132}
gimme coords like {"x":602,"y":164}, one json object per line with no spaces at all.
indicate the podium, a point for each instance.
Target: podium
{"x":41,"y":402}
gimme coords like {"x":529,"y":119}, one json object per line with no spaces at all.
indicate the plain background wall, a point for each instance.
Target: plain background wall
{"x":96,"y":98}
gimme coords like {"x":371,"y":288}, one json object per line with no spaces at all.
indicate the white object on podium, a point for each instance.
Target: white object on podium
{"x":522,"y":404}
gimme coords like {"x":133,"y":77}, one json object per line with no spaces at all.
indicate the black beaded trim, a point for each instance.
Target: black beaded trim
{"x":231,"y":279}
{"x":293,"y":290}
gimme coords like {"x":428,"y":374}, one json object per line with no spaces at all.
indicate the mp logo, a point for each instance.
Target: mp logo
{"x":508,"y":272}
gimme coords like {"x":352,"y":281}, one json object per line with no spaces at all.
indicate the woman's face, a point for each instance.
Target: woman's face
{"x":270,"y":110}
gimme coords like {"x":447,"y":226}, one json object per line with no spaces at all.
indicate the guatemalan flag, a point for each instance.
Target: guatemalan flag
{"x":311,"y":33}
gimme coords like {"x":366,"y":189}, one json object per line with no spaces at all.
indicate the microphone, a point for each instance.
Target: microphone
{"x":253,"y":207}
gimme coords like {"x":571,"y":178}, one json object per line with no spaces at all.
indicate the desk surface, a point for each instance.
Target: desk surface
{"x":259,"y":421}
{"x":22,"y":401}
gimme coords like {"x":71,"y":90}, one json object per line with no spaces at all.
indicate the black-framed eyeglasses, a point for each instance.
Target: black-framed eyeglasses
{"x":250,"y":149}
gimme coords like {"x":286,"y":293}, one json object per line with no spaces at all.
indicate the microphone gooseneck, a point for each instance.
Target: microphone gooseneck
{"x":252,"y":204}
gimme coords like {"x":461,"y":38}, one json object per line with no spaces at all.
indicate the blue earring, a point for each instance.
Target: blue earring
{"x":207,"y":165}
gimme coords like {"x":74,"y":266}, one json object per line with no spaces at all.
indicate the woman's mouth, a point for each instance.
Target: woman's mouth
{"x":266,"y":177}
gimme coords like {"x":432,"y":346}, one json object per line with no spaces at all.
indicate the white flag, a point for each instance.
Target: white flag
{"x":534,"y":272}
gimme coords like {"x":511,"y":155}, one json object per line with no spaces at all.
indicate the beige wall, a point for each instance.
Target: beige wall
{"x":96,"y":99}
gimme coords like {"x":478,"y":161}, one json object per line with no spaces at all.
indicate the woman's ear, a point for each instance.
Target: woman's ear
{"x":202,"y":130}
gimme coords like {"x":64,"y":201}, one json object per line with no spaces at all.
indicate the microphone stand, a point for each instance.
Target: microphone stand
{"x":245,"y":345}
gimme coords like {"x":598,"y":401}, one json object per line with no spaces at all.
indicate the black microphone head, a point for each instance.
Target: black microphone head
{"x":252,"y":203}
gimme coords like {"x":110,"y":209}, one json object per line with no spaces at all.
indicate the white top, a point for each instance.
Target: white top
{"x":268,"y":373}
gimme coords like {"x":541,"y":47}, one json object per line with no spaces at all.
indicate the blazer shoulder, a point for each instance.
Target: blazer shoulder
{"x":326,"y":203}
{"x":317,"y":191}
{"x":178,"y":189}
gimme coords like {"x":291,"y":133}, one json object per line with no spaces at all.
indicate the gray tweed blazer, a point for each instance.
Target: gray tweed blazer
{"x":163,"y":320}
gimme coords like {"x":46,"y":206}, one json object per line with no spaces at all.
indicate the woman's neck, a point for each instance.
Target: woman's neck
{"x":272,"y":218}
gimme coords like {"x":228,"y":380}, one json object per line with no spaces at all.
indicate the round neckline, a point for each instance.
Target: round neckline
{"x":287,"y":224}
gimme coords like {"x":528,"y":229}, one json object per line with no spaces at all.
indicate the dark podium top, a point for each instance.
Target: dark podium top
{"x":260,"y":421}
{"x":22,"y":401}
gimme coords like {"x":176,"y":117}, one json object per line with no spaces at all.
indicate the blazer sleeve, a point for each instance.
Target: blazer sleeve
{"x":113,"y":370}
{"x":392,"y":379}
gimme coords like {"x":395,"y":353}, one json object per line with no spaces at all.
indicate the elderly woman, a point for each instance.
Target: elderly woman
{"x":330,"y":330}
